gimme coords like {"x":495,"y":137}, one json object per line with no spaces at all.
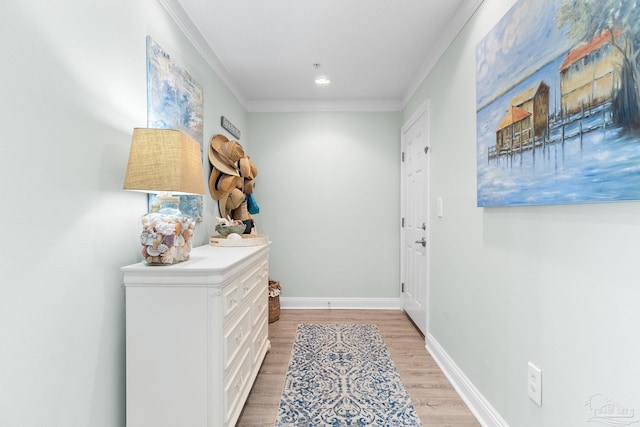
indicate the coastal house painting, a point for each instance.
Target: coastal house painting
{"x":589,"y":73}
{"x":525,"y":120}
{"x":558,"y":104}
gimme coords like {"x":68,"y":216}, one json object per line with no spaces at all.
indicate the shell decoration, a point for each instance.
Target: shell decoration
{"x":274,"y":292}
{"x":166,"y":239}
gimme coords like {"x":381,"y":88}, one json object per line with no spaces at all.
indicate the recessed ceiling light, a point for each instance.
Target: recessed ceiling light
{"x":323,"y":80}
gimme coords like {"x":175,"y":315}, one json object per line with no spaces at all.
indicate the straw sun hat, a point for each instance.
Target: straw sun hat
{"x":247,"y":168}
{"x":225,"y":154}
{"x":230,"y":201}
{"x":249,"y":185}
{"x":221,"y":183}
{"x":232,"y":177}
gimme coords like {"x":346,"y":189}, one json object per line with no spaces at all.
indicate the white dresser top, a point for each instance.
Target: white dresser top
{"x":208,"y":265}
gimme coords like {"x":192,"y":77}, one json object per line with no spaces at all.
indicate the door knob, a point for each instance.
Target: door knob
{"x":423,"y":242}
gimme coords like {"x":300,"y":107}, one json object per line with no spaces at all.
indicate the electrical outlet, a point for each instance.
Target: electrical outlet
{"x":534,"y":384}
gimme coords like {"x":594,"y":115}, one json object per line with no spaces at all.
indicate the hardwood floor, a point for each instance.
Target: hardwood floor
{"x":435,"y":400}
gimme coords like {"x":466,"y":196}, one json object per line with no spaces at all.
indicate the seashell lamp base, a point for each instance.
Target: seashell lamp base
{"x":166,"y":237}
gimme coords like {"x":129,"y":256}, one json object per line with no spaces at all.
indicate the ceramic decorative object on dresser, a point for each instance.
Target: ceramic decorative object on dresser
{"x":196,"y":335}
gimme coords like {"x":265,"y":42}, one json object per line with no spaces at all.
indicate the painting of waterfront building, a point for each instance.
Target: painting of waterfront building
{"x":588,"y":74}
{"x":525,"y":121}
{"x":558,"y":104}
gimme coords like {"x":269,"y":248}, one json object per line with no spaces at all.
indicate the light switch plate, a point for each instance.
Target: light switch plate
{"x":534,"y":383}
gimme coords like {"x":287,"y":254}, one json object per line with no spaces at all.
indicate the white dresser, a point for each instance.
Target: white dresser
{"x":196,"y":335}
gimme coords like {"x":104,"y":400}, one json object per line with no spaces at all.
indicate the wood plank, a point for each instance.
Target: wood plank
{"x":436,"y":401}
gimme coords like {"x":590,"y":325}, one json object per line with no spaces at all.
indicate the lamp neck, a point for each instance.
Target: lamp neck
{"x":169,"y":204}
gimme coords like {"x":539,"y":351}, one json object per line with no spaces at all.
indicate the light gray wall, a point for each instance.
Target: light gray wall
{"x":73,"y":86}
{"x":328,"y":191}
{"x":554,"y":285}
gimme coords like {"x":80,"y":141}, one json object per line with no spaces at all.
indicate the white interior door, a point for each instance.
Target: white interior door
{"x":415,"y":217}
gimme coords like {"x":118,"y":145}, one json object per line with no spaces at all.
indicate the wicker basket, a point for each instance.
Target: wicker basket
{"x":274,"y":300}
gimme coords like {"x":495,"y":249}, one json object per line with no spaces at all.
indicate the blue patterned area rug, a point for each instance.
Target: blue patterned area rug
{"x":343,"y":375}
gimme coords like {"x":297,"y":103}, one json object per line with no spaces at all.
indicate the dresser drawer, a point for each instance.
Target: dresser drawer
{"x":249,"y":282}
{"x":235,"y":335}
{"x":259,"y":340}
{"x":231,"y":299}
{"x":259,"y":304}
{"x":235,"y":385}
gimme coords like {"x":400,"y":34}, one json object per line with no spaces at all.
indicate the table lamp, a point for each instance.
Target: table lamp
{"x":166,"y":162}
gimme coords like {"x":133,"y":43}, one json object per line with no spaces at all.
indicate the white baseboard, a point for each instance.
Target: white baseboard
{"x":340,"y":303}
{"x":479,"y":406}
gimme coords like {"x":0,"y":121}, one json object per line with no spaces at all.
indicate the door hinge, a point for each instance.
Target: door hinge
{"x":402,"y":222}
{"x":426,"y":150}
{"x":402,"y":286}
{"x":403,"y":156}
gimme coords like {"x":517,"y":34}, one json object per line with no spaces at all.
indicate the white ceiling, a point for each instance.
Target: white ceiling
{"x":376,"y":52}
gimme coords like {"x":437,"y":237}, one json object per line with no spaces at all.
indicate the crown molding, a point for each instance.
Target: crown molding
{"x":457,"y":23}
{"x":323,"y":106}
{"x":182,"y":19}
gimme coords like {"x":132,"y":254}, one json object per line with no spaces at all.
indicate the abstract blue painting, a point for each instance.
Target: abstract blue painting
{"x":558,"y":104}
{"x":174,"y":101}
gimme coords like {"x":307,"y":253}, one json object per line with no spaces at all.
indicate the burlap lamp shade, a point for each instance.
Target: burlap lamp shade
{"x":164,"y":160}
